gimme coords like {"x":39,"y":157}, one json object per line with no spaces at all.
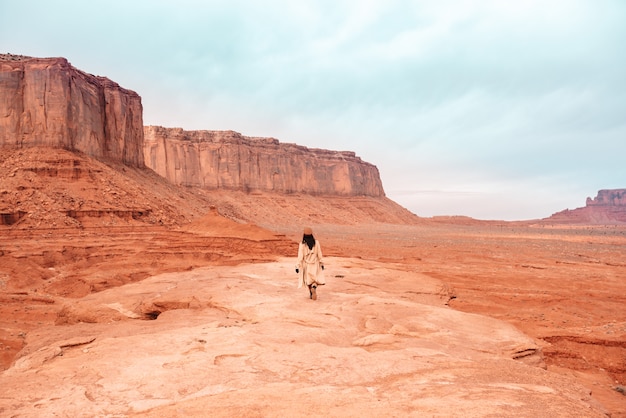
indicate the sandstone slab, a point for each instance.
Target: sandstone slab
{"x":377,"y":342}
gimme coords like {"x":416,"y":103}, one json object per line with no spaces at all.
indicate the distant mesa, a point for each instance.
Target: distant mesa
{"x":608,"y":207}
{"x":46,"y":102}
{"x":232,"y":161}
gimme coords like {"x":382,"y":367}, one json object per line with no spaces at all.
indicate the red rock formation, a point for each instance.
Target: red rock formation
{"x":47,"y":102}
{"x":608,"y":207}
{"x":229,"y":160}
{"x":616,"y":197}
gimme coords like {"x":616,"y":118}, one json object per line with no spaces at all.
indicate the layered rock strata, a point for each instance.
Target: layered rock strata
{"x":48,"y":102}
{"x":229,"y":160}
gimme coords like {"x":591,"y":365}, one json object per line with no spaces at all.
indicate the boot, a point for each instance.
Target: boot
{"x":314,"y":292}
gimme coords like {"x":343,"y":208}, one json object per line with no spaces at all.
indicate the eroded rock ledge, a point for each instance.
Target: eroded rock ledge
{"x":230,"y":160}
{"x":48,"y":102}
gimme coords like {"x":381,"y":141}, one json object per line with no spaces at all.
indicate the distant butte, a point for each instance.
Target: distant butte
{"x":608,"y":207}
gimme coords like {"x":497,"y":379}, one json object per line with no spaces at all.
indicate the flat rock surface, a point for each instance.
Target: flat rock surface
{"x":244,"y":341}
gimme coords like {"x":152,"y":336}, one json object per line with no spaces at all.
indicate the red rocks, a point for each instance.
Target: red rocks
{"x":229,"y":160}
{"x":47,"y":102}
{"x":616,"y":197}
{"x":608,"y":207}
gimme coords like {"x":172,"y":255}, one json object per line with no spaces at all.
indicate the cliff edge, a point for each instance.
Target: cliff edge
{"x":229,"y":160}
{"x":48,"y":102}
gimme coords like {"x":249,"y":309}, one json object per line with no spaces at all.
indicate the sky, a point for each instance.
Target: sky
{"x":493,"y":109}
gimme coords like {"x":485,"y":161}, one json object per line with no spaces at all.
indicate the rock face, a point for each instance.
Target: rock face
{"x":47,"y":102}
{"x":616,"y":197}
{"x":608,"y":207}
{"x":229,"y":160}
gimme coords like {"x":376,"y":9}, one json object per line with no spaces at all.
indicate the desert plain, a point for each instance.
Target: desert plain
{"x":108,"y":313}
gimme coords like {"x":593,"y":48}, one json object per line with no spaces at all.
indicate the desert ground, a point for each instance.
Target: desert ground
{"x":197,"y":313}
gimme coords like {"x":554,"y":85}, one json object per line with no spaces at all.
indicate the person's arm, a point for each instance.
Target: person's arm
{"x":319,"y":254}
{"x":300,"y":258}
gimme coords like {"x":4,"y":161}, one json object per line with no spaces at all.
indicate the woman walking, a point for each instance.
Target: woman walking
{"x":310,"y":266}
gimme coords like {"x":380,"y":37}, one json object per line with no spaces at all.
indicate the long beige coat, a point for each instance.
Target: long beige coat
{"x":310,"y":265}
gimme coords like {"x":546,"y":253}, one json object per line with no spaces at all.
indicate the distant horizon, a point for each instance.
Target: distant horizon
{"x":592,"y":196}
{"x":486,"y":109}
{"x":305,"y":146}
{"x":386,"y":195}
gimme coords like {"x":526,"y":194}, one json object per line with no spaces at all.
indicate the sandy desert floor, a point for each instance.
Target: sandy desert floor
{"x":162,"y":322}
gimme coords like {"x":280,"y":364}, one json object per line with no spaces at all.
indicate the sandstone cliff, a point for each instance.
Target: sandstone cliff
{"x":229,"y":160}
{"x":616,"y":197}
{"x":47,"y":102}
{"x":608,"y":207}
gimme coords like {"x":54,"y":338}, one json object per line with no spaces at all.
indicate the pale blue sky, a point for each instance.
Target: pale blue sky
{"x":501,"y":109}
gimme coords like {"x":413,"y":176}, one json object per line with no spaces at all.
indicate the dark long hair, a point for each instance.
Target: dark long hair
{"x":308,"y":240}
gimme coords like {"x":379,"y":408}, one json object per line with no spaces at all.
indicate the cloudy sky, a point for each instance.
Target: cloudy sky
{"x":494,"y":109}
